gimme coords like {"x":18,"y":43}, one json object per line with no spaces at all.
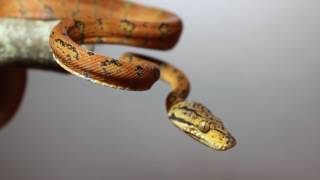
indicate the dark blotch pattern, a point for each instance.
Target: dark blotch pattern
{"x":69,"y":47}
{"x":139,"y":71}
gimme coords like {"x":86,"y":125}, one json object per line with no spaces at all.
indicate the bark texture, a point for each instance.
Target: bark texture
{"x":25,"y":42}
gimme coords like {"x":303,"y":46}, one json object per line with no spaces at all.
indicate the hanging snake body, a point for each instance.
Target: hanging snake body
{"x":122,"y":22}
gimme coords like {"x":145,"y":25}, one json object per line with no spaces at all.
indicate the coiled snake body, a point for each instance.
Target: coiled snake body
{"x":121,"y":22}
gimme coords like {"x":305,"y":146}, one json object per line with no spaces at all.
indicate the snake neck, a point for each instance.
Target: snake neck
{"x":174,"y":77}
{"x":178,"y":81}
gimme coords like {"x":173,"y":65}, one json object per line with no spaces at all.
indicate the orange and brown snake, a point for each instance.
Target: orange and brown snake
{"x":122,"y":22}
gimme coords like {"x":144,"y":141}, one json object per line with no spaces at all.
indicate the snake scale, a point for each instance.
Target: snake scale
{"x":127,"y":23}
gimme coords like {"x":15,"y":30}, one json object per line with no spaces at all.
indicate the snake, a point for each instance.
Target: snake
{"x":125,"y":23}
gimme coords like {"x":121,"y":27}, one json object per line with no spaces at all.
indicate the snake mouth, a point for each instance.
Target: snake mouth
{"x":231,"y":142}
{"x":208,"y":141}
{"x":197,"y":138}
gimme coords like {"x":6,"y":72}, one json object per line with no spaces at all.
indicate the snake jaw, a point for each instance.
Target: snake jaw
{"x":200,"y":124}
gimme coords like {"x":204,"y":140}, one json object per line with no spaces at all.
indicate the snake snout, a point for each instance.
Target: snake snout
{"x":225,"y":142}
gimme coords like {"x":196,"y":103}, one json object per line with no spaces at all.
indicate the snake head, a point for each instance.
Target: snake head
{"x":199,"y":123}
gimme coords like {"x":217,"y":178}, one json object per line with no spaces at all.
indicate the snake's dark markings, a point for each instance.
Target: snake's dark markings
{"x":139,"y":70}
{"x":190,"y":110}
{"x":86,"y":75}
{"x":99,"y":21}
{"x":112,"y":61}
{"x":115,"y":62}
{"x":156,"y":72}
{"x":90,"y":53}
{"x":80,"y":26}
{"x":69,"y":47}
{"x":175,"y":118}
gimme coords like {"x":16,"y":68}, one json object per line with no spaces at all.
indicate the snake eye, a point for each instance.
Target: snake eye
{"x":204,"y":126}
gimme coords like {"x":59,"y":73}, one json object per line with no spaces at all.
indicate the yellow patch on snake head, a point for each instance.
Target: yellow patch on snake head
{"x":199,"y":123}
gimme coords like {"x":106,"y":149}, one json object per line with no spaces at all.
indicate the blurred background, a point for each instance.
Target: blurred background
{"x":254,"y":63}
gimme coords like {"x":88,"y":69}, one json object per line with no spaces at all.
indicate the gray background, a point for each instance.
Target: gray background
{"x":253,"y":63}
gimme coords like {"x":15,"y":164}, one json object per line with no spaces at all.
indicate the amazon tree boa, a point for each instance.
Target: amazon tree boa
{"x":116,"y":22}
